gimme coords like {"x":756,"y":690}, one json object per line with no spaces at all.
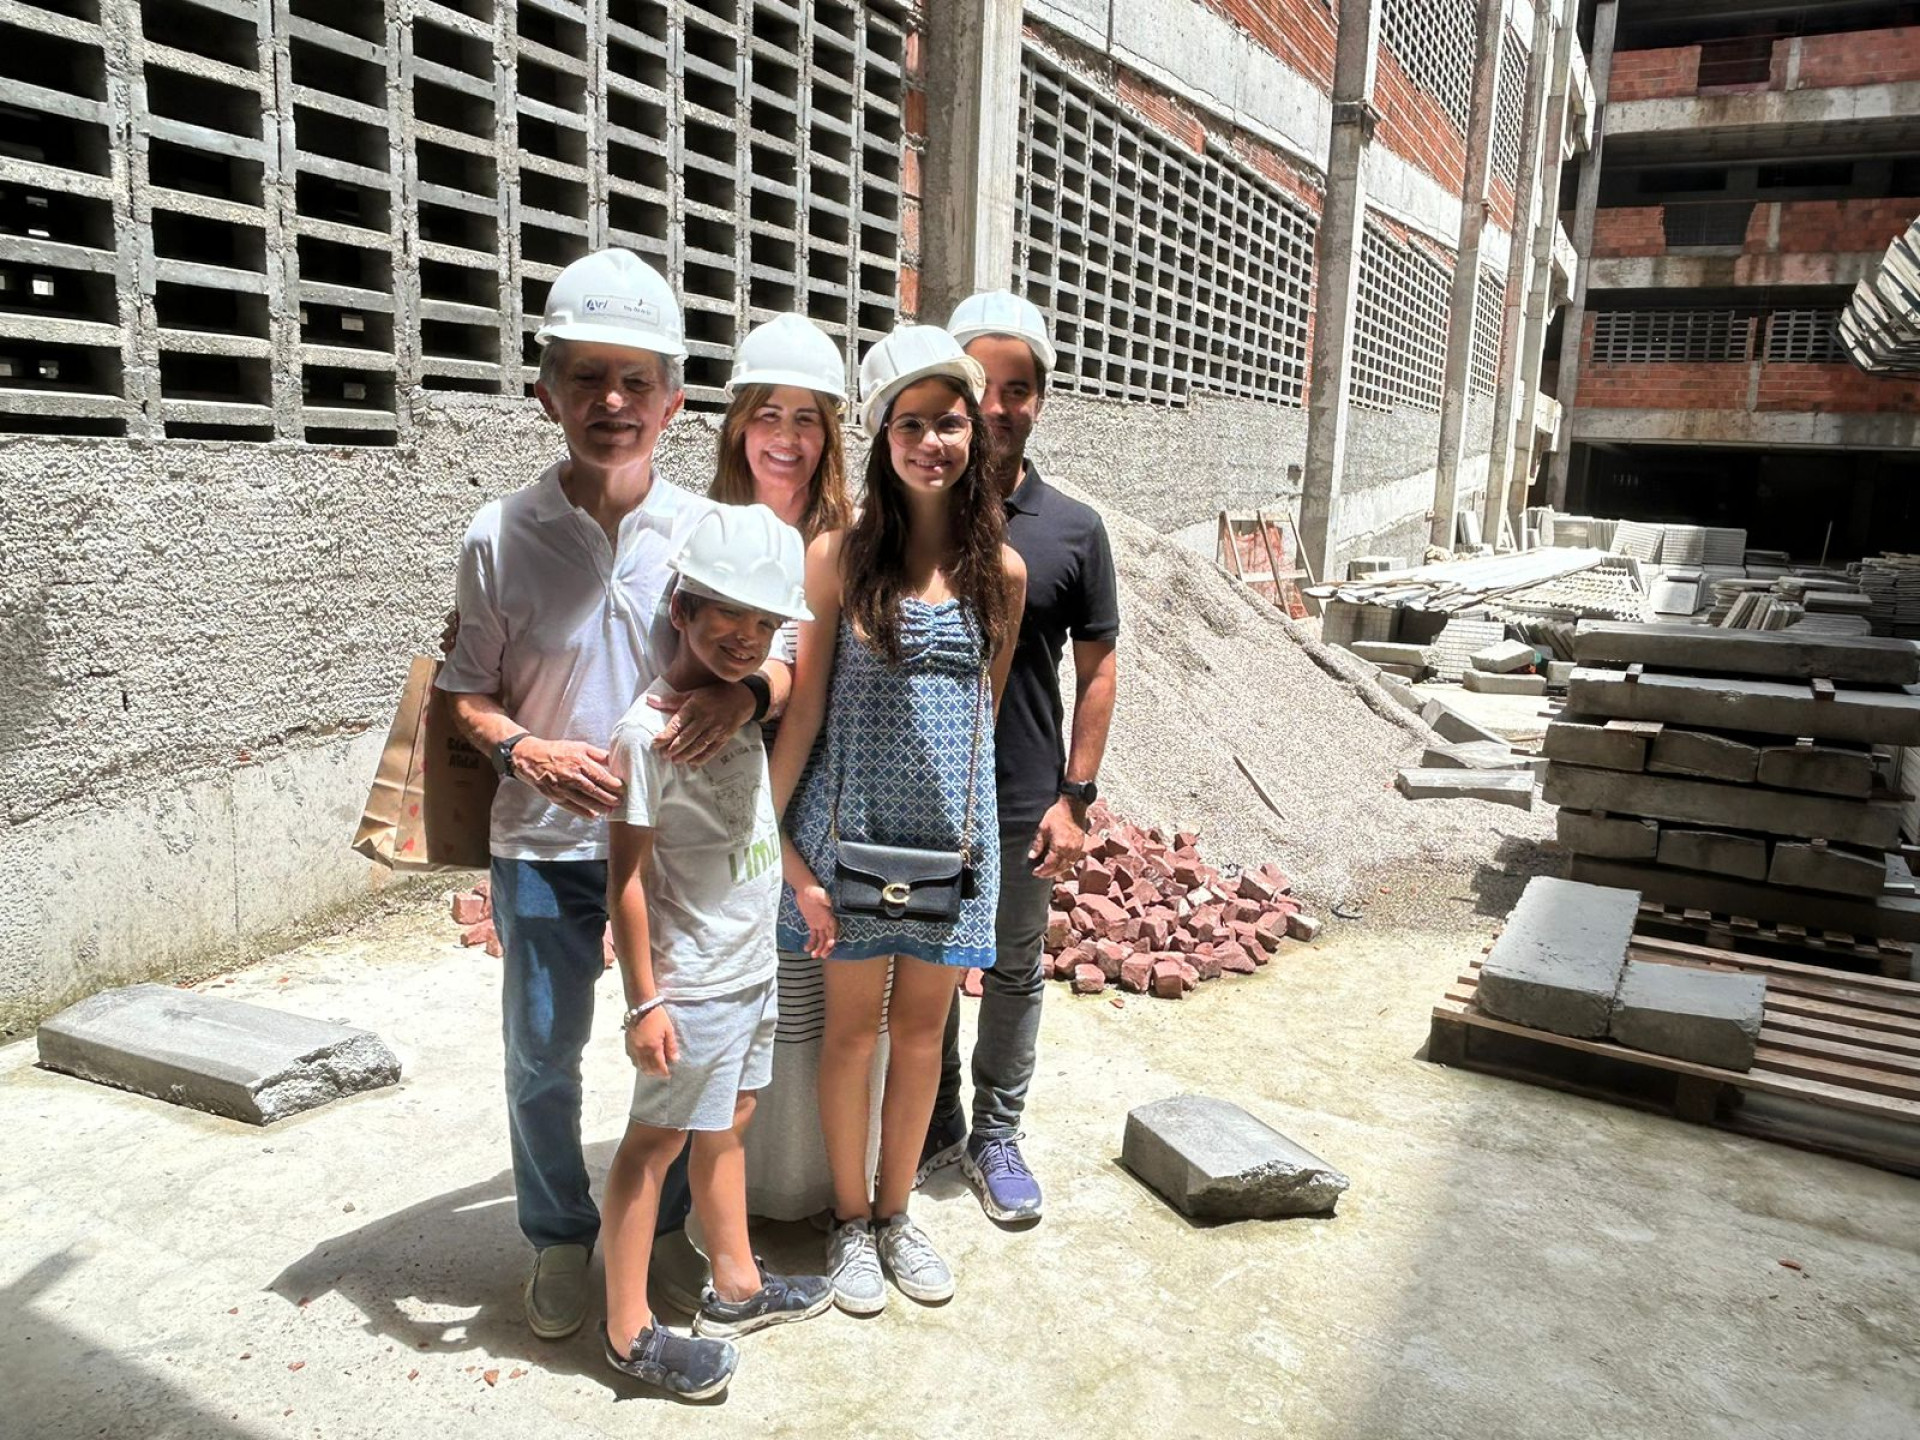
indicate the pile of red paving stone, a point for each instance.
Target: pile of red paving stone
{"x":1150,"y":915}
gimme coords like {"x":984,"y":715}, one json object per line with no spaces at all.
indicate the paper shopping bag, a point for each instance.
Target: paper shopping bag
{"x":432,"y":796}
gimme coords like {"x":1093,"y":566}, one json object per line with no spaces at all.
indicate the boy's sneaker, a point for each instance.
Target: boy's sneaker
{"x":915,"y":1265}
{"x":556,"y":1293}
{"x":678,"y":1271}
{"x":780,"y":1298}
{"x":683,"y":1365}
{"x":997,"y":1171}
{"x":853,"y":1269}
{"x":946,"y":1142}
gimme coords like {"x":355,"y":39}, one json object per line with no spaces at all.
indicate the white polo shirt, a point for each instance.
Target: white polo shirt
{"x":557,"y":624}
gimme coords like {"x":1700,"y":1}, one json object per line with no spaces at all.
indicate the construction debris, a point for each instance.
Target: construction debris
{"x":1146,"y":913}
{"x":1213,"y":1161}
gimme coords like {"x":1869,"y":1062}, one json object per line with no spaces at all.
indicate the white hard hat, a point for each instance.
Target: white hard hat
{"x":747,"y":555}
{"x":1001,"y":312}
{"x":909,"y":354}
{"x":790,"y":350}
{"x":614,"y":298}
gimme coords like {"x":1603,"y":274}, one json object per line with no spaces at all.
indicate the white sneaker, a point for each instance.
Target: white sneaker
{"x":915,"y":1265}
{"x":853,"y":1265}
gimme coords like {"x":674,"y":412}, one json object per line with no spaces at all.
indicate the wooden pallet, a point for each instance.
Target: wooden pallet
{"x":1781,"y":941}
{"x":1838,"y":1066}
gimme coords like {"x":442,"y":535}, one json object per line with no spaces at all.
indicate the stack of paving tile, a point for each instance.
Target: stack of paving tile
{"x":1892,"y":585}
{"x":1736,"y":772}
{"x":1460,"y":639}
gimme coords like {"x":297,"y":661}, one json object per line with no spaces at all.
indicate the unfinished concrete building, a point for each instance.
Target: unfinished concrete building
{"x":1756,"y":160}
{"x":269,"y":273}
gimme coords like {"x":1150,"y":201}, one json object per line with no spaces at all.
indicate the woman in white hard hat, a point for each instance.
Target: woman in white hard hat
{"x":916,"y":606}
{"x":781,"y":446}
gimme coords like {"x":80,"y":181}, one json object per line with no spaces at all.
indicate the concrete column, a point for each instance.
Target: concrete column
{"x":973,"y":99}
{"x":1599,"y":69}
{"x":1519,"y":271}
{"x":1455,"y":395}
{"x":1533,"y":341}
{"x":1336,"y":266}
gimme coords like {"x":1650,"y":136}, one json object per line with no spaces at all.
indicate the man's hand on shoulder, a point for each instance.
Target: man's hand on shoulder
{"x":703,"y":722}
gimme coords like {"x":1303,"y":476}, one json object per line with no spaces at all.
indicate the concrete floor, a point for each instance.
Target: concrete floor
{"x":1510,"y":1262}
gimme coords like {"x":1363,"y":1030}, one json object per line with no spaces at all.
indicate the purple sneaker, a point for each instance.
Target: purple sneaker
{"x":1007,"y":1189}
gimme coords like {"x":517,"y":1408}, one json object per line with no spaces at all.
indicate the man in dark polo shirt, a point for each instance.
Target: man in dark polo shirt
{"x":1045,"y":783}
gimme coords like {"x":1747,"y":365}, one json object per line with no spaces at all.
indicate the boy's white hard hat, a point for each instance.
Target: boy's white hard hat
{"x":614,"y":298}
{"x":1001,"y":312}
{"x":744,"y":555}
{"x":910,"y":354}
{"x":790,"y":350}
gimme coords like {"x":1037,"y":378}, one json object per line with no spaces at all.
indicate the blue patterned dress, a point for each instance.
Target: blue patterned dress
{"x":896,"y":750}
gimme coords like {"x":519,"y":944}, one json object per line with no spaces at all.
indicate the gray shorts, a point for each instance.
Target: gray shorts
{"x":726,"y":1046}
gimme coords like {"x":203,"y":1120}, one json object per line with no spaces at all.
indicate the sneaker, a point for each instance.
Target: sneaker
{"x":853,"y":1269}
{"x":556,"y":1294}
{"x":915,"y":1265}
{"x":683,"y":1365}
{"x":780,"y":1298}
{"x":999,"y":1174}
{"x":678,"y":1271}
{"x":946,"y":1142}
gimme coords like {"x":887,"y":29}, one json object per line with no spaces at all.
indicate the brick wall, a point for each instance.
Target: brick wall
{"x":1654,"y":74}
{"x":1663,"y":387}
{"x":912,"y":167}
{"x":1806,"y":227}
{"x":1834,"y":388}
{"x":1167,"y":114}
{"x":1301,"y":33}
{"x":1413,"y":124}
{"x":1858,"y":57}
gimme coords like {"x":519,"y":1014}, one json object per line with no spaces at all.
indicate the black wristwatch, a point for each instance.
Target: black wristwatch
{"x":762,"y":695}
{"x":503,"y":753}
{"x":1085,"y":791}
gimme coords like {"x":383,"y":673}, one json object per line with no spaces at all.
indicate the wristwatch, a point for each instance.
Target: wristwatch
{"x":1085,"y":791}
{"x":502,"y":753}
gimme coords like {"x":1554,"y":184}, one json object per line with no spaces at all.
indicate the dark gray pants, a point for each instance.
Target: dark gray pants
{"x":1011,"y":992}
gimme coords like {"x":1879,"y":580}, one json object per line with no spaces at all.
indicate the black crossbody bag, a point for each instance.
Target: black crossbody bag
{"x":901,"y":882}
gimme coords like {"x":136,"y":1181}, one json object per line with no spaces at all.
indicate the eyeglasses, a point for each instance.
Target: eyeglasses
{"x":910,"y":430}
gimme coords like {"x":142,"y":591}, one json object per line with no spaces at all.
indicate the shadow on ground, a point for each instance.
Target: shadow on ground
{"x":1497,"y":883}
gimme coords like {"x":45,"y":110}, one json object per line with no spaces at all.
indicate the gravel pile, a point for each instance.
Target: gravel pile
{"x":1210,"y":672}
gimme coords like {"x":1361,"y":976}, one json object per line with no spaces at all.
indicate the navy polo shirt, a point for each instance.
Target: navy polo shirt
{"x":1070,"y":592}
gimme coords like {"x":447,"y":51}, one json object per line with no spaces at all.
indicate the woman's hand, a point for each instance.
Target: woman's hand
{"x":702,"y":722}
{"x":651,"y":1043}
{"x":570,"y":773}
{"x":823,"y":926}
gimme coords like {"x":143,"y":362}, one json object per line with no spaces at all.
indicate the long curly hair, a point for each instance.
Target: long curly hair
{"x":828,"y":507}
{"x":873,"y":558}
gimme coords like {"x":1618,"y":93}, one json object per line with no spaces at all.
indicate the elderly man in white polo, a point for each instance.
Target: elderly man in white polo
{"x":559,"y":585}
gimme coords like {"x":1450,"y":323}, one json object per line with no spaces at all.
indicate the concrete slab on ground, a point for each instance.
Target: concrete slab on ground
{"x":1490,"y":682}
{"x":364,"y":1256}
{"x":1711,"y":1017}
{"x":1503,"y":787}
{"x":1503,"y":658}
{"x":246,"y":1062}
{"x":1516,"y":719}
{"x":1482,"y":755}
{"x":1557,"y":964}
{"x":1214,"y":1161}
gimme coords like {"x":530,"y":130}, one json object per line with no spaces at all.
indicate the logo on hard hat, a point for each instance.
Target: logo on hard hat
{"x":624,"y":306}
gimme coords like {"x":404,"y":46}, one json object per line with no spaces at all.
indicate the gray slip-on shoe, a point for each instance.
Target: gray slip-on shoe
{"x":556,"y":1293}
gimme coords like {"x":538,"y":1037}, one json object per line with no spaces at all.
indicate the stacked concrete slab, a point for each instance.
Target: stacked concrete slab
{"x":1739,"y":772}
{"x":1562,"y":966}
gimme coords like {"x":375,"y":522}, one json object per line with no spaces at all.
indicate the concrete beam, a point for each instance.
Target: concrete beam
{"x":1728,"y":270}
{"x":1887,"y":918}
{"x":1768,"y":654}
{"x":1763,"y":707}
{"x":1337,"y":268}
{"x":1740,"y":807}
{"x":1770,"y":429}
{"x":973,"y":85}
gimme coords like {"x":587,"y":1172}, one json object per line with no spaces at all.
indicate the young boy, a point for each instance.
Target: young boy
{"x":693,"y":882}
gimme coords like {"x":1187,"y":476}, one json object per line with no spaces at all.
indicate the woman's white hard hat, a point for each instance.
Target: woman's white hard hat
{"x":614,"y":298}
{"x":913,"y":353}
{"x":1001,"y":312}
{"x":744,"y":555}
{"x":790,"y":350}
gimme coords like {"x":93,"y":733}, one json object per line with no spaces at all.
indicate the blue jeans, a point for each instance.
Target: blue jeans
{"x":551,"y":916}
{"x":1010,"y":996}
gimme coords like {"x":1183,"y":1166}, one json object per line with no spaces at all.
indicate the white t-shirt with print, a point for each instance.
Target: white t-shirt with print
{"x":714,"y":883}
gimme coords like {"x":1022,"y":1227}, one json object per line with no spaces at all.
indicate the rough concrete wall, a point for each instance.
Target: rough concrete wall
{"x":203,"y":645}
